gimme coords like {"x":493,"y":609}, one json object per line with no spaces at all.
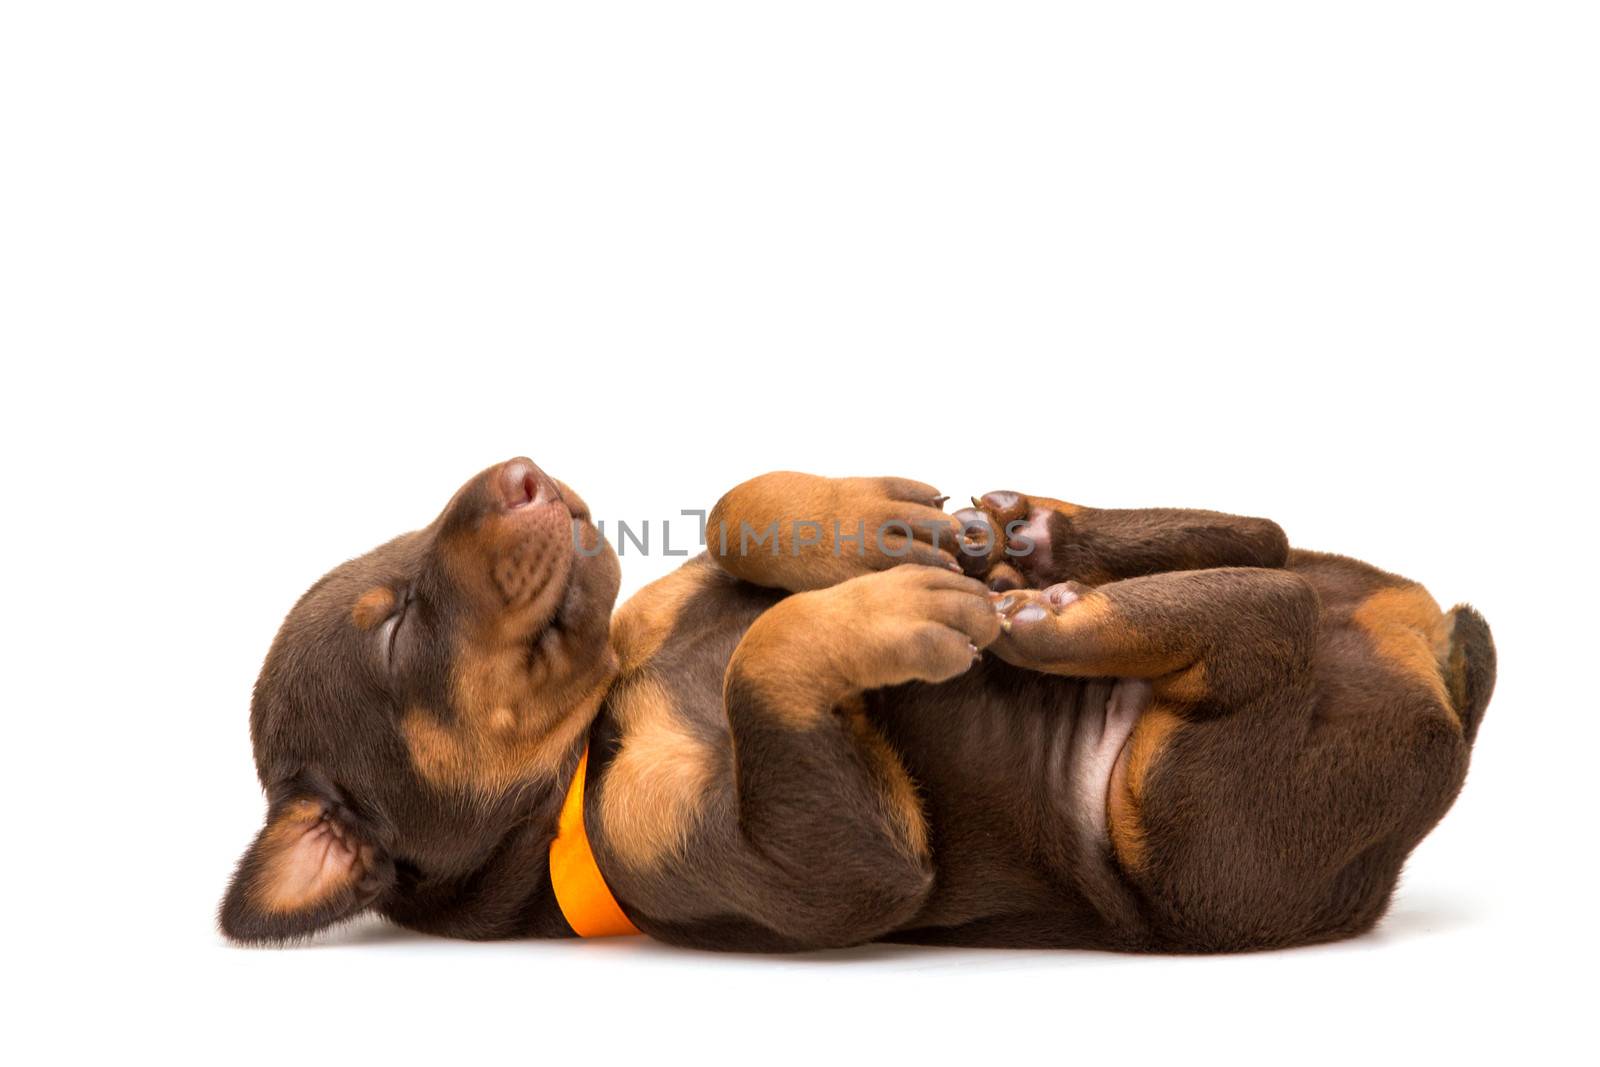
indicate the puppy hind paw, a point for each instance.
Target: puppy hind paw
{"x":1006,"y":540}
{"x":1024,"y":608}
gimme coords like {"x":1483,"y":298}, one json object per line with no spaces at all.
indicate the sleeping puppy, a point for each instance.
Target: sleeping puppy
{"x":1149,"y":730}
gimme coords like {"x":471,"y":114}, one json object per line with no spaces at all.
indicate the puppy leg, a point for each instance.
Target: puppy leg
{"x":1036,"y":541}
{"x":806,"y":831}
{"x":1253,"y":804}
{"x":1212,"y":637}
{"x":819,"y":791}
{"x":799,"y":531}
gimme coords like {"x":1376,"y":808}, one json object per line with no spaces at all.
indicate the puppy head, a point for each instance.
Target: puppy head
{"x":417,"y":696}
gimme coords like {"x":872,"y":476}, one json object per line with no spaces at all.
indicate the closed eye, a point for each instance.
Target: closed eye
{"x":390,"y":631}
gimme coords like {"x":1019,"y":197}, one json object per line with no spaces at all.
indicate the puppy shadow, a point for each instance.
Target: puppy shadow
{"x":1418,"y":915}
{"x":369,"y":931}
{"x":880,"y":956}
{"x":373,"y":933}
{"x":1412,"y":917}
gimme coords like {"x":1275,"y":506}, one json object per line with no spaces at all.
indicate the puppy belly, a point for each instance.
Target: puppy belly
{"x":1014,"y":767}
{"x":1100,"y":737}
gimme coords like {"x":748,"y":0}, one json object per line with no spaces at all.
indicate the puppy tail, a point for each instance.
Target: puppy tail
{"x":1469,"y":667}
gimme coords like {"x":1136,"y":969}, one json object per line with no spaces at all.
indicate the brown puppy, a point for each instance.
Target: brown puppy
{"x":1171,"y":732}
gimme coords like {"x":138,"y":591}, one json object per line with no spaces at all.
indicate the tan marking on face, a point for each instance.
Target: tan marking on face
{"x":515,"y":566}
{"x":306,"y":860}
{"x":521,"y":692}
{"x":1410,"y":633}
{"x":489,"y":762}
{"x":372,"y":607}
{"x":642,"y":624}
{"x":1125,"y":794}
{"x":656,"y":787}
{"x":512,"y":722}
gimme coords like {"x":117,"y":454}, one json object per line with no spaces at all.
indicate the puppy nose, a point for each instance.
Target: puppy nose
{"x":521,"y":483}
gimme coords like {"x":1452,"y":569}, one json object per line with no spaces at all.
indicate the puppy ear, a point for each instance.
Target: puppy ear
{"x":311,"y":865}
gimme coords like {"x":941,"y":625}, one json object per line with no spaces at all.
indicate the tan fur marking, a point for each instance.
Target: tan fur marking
{"x":489,"y":761}
{"x":656,"y":786}
{"x":1105,"y":645}
{"x":814,"y":539}
{"x":1052,"y":504}
{"x":372,"y":607}
{"x":522,"y":692}
{"x":904,"y":804}
{"x":1188,"y":686}
{"x":795,"y":693}
{"x":809,"y":653}
{"x":1125,"y":796}
{"x":513,"y":722}
{"x":802,"y":682}
{"x":515,"y":569}
{"x":306,"y":860}
{"x":643,"y":623}
{"x":1410,"y":633}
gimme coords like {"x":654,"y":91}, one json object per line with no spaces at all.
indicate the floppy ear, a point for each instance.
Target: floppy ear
{"x":309,"y":867}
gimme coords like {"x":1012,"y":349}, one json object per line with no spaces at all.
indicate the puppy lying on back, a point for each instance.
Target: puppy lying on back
{"x":1143,"y":730}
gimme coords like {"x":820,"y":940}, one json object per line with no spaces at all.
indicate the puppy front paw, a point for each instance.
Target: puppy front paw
{"x":906,"y":624}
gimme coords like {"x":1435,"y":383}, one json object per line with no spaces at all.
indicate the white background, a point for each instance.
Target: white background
{"x":277,"y":277}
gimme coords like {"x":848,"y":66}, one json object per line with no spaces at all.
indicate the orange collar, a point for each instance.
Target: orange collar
{"x":586,"y":901}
